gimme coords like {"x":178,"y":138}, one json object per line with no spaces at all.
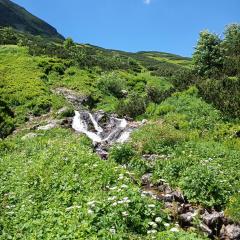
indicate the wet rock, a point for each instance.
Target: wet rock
{"x":212,"y":219}
{"x":186,"y":218}
{"x":168,"y":198}
{"x":29,"y":136}
{"x":178,"y":196}
{"x":164,"y":187}
{"x":66,"y":122}
{"x":206,"y":229}
{"x":146,"y":179}
{"x":230,"y":232}
{"x":102,"y":153}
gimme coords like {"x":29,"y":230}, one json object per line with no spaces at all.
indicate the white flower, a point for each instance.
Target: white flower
{"x":125,"y":214}
{"x":174,"y":230}
{"x":90,"y":211}
{"x":153,"y":224}
{"x":151,"y":205}
{"x":158,"y":220}
{"x":114,"y":204}
{"x":113,"y":188}
{"x":124,"y":186}
{"x":151,"y":231}
{"x":91,"y":204}
{"x":166,"y":224}
{"x":112,"y":198}
{"x":72,"y":207}
{"x":112,"y":230}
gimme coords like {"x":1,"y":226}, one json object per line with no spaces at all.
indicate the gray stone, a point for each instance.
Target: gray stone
{"x":146,"y":179}
{"x":212,"y":218}
{"x":206,"y":229}
{"x":186,"y":218}
{"x":230,"y":232}
{"x":29,"y":136}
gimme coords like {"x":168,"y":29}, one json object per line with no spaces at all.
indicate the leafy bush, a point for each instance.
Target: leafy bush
{"x":111,"y":85}
{"x":156,"y":138}
{"x":224,"y":94}
{"x":202,"y":184}
{"x":133,"y":106}
{"x":122,"y":154}
{"x":6,"y":120}
{"x":180,"y":235}
{"x":233,"y":208}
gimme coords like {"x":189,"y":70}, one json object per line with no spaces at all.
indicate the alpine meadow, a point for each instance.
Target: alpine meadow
{"x":98,"y":143}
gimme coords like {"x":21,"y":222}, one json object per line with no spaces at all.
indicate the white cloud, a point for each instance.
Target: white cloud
{"x":147,"y":1}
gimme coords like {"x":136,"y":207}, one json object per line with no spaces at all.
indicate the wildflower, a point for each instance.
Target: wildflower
{"x":166,"y":224}
{"x":112,"y":230}
{"x":113,"y":188}
{"x":125,"y":214}
{"x":91,"y":204}
{"x":174,"y":230}
{"x":114,"y":204}
{"x":112,"y":198}
{"x":90,"y":211}
{"x":72,"y":207}
{"x":124,"y":186}
{"x":153,"y":224}
{"x":158,"y":219}
{"x":151,"y":205}
{"x":151,"y":231}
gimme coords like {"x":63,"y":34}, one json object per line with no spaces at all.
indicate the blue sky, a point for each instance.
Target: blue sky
{"x":133,"y":25}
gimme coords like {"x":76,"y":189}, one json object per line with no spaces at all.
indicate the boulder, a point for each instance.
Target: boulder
{"x":206,"y":229}
{"x":186,"y":218}
{"x":146,"y":179}
{"x":230,"y":232}
{"x":212,"y":219}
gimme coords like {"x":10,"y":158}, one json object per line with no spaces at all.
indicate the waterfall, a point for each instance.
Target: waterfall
{"x":113,"y":130}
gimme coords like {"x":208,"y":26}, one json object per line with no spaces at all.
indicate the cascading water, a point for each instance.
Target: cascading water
{"x":112,"y":130}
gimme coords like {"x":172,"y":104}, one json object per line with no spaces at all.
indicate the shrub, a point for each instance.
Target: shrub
{"x":133,"y":106}
{"x":156,"y":138}
{"x":122,"y":153}
{"x":202,"y":184}
{"x":112,"y":85}
{"x":233,"y":208}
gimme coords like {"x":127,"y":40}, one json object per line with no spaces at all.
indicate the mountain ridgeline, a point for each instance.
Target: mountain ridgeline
{"x":12,"y":15}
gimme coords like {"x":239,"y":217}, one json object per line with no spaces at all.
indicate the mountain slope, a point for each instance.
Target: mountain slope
{"x":12,"y":15}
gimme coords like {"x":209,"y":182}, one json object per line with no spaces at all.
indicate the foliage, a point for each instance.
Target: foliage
{"x":208,"y":58}
{"x":233,"y":208}
{"x":70,"y":193}
{"x":156,"y":138}
{"x":133,"y":106}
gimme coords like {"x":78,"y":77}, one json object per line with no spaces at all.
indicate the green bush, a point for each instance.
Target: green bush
{"x":233,"y":208}
{"x":111,"y":84}
{"x":202,"y":184}
{"x":122,"y":154}
{"x":133,"y":106}
{"x":181,"y":235}
{"x":156,"y":138}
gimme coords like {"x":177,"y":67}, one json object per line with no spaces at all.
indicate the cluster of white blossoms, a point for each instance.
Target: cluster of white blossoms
{"x":72,"y":207}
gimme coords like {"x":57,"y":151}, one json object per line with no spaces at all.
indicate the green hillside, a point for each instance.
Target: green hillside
{"x":53,"y":183}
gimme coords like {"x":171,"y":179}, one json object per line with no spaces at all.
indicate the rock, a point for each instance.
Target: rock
{"x":62,"y":110}
{"x":168,"y":198}
{"x":230,"y":232}
{"x":102,"y":153}
{"x":146,"y":179}
{"x":164,"y":187}
{"x":29,"y":136}
{"x":144,"y":121}
{"x":212,"y":219}
{"x":206,"y":229}
{"x":150,"y":157}
{"x":48,"y":126}
{"x":178,"y":196}
{"x":66,"y":122}
{"x":186,"y":218}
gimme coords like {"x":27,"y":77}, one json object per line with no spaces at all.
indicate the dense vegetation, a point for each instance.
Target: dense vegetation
{"x":54,"y":186}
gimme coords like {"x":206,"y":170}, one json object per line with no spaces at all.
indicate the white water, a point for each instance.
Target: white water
{"x":118,"y":132}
